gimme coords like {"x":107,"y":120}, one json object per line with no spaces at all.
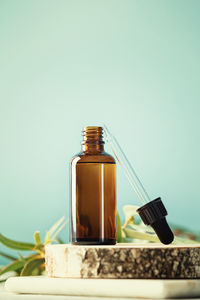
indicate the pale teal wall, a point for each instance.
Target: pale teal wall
{"x":65,"y":64}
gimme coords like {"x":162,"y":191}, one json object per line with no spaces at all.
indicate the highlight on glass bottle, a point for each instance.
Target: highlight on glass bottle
{"x":93,"y":192}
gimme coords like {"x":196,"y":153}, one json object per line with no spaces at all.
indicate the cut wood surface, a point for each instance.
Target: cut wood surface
{"x":139,"y":261}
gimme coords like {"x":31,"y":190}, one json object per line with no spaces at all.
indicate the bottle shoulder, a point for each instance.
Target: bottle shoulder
{"x":103,"y":157}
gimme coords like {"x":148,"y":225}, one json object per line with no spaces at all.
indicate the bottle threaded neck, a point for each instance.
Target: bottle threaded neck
{"x":92,"y":139}
{"x":92,"y":134}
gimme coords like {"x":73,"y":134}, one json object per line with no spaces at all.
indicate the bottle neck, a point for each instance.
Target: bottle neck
{"x":93,"y":140}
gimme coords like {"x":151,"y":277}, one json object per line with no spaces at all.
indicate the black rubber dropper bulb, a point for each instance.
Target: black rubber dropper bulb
{"x":154,"y":214}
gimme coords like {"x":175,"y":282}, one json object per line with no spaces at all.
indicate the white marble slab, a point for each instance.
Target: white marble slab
{"x":121,"y":288}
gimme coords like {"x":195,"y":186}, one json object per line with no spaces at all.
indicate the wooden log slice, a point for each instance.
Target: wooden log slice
{"x":139,"y":261}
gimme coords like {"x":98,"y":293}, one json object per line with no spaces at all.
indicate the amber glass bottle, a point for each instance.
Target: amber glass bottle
{"x":93,"y":192}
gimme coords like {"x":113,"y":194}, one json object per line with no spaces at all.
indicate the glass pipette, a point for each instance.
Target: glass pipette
{"x":128,"y":169}
{"x":153,"y":212}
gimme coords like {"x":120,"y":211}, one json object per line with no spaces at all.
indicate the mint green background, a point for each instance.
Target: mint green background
{"x":66,"y":64}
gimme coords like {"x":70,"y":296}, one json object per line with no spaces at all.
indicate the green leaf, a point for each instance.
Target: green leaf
{"x":55,"y":226}
{"x":142,"y":228}
{"x":47,"y":238}
{"x":18,"y":264}
{"x":51,"y":235}
{"x":141,"y":235}
{"x":15,"y":245}
{"x":31,"y":265}
{"x":7,"y":256}
{"x":52,"y":230}
{"x":37,"y":238}
{"x":119,"y":229}
{"x":123,"y":239}
{"x":21,"y":258}
{"x":130,"y":211}
{"x":179,"y":240}
{"x":14,"y":266}
{"x":59,"y":240}
{"x":59,"y":230}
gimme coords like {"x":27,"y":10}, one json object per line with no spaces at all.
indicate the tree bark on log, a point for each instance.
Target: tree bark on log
{"x":138,"y":261}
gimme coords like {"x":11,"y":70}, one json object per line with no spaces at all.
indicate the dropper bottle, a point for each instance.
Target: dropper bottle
{"x":93,"y":192}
